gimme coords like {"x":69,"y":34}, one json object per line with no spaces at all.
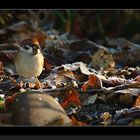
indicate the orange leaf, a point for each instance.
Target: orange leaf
{"x":137,"y":102}
{"x":71,"y":98}
{"x":85,"y":86}
{"x":10,"y":99}
{"x":76,"y":122}
{"x":92,"y":81}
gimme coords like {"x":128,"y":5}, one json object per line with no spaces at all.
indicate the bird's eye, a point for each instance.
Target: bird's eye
{"x":35,"y":47}
{"x":26,"y":47}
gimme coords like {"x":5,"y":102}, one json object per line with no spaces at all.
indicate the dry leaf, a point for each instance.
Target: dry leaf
{"x":93,"y":81}
{"x":102,"y":59}
{"x":1,"y":68}
{"x":47,"y":65}
{"x":137,"y":78}
{"x":105,"y":116}
{"x":72,"y":97}
{"x":116,"y":81}
{"x":90,"y":99}
{"x":137,"y":102}
{"x":126,"y":98}
{"x":76,"y":122}
{"x":10,"y":99}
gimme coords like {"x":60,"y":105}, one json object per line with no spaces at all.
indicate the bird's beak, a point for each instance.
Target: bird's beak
{"x":35,"y":50}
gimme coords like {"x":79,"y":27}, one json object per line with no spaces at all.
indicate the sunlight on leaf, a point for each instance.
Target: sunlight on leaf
{"x":92,"y":82}
{"x":76,"y":122}
{"x":137,"y":102}
{"x":71,"y":98}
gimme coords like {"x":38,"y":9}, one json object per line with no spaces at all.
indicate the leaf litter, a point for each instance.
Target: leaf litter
{"x":93,"y":84}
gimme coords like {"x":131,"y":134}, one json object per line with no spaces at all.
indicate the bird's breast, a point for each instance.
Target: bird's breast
{"x":28,"y":65}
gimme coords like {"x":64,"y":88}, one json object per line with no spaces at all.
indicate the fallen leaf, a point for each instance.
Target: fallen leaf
{"x":7,"y":57}
{"x":10,"y":99}
{"x":72,"y":97}
{"x":47,"y":65}
{"x":2,"y":105}
{"x":126,"y":98}
{"x":90,"y":99}
{"x":114,"y":81}
{"x":137,"y":102}
{"x":103,"y":59}
{"x":1,"y":68}
{"x":93,"y":81}
{"x":137,"y":78}
{"x":76,"y":122}
{"x":136,"y":122}
{"x":105,"y":116}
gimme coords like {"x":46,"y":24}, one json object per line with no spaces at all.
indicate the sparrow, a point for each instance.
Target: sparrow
{"x":29,"y":59}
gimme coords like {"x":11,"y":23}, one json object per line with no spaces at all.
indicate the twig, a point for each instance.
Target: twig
{"x":91,"y":91}
{"x":122,"y":87}
{"x":51,"y":91}
{"x":62,"y":90}
{"x":110,"y":94}
{"x":8,"y":51}
{"x":10,"y":44}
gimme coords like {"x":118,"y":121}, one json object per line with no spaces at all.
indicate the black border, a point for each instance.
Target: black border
{"x":81,"y":130}
{"x":79,"y":137}
{"x":71,"y":4}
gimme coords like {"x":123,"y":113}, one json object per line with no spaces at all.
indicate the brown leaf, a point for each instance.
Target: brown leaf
{"x":1,"y":68}
{"x":92,"y":82}
{"x":137,"y":102}
{"x":72,"y":97}
{"x":137,"y":78}
{"x":47,"y":65}
{"x":6,"y":57}
{"x":10,"y":99}
{"x":76,"y":122}
{"x":105,"y":116}
{"x":114,"y":81}
{"x":126,"y":98}
{"x":38,"y":85}
{"x":103,"y":59}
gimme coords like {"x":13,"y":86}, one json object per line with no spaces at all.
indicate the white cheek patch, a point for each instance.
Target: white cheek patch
{"x":38,"y":51}
{"x":29,"y":51}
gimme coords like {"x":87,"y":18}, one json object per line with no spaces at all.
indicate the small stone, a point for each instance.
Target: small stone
{"x":37,"y":108}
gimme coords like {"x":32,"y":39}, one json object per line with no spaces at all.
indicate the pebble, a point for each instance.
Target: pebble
{"x":37,"y":108}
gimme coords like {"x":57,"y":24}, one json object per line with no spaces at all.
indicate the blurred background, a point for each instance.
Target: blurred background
{"x":95,"y":25}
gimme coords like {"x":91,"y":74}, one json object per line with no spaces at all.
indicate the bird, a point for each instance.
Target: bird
{"x":29,"y":59}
